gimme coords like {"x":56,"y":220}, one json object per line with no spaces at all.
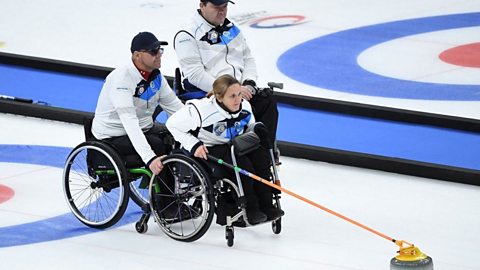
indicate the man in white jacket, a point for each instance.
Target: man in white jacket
{"x":211,"y":46}
{"x":128,"y":99}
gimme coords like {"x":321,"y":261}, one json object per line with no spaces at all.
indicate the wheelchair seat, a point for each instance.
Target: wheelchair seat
{"x":185,"y":90}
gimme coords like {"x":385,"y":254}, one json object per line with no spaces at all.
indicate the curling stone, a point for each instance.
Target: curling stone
{"x":411,"y":258}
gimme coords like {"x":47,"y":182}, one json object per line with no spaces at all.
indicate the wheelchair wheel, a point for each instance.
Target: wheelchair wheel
{"x":94,"y":184}
{"x":277,"y":226}
{"x":182,"y":199}
{"x":139,"y":189}
{"x":229,"y":235}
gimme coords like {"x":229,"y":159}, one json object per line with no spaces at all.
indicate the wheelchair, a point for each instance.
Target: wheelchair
{"x":98,"y":182}
{"x":201,"y":189}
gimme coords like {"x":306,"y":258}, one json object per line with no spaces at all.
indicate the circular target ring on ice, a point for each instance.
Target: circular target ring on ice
{"x":467,"y":55}
{"x":6,"y":193}
{"x":278,"y":21}
{"x":331,"y":61}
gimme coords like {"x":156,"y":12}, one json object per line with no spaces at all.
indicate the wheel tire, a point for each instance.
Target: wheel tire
{"x":229,"y":235}
{"x":277,"y":226}
{"x":192,"y":187}
{"x":97,"y":200}
{"x":141,"y":228}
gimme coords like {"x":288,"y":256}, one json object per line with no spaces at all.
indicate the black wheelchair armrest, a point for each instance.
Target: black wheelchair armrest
{"x":87,"y":128}
{"x":177,"y":82}
{"x":273,"y":85}
{"x":246,"y":143}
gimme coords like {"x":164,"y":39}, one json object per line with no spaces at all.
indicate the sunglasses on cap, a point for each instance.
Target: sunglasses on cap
{"x":154,"y":52}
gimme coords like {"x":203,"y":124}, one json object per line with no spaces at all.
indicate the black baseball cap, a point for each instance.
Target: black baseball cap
{"x":217,"y":2}
{"x":145,"y":41}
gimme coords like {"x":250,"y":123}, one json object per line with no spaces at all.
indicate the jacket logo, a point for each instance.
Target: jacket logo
{"x":238,"y":127}
{"x":213,"y":36}
{"x":219,"y":128}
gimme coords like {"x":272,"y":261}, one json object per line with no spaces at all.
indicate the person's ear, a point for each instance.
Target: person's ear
{"x":136,"y":56}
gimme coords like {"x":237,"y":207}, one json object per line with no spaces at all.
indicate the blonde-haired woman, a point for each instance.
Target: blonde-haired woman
{"x":207,"y":126}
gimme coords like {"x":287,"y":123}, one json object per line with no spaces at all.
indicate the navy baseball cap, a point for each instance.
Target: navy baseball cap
{"x":146,"y":41}
{"x":217,"y":2}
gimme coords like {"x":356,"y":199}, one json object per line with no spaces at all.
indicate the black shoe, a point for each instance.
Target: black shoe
{"x":176,"y":212}
{"x":273,"y":212}
{"x":169,"y":213}
{"x":255,"y":216}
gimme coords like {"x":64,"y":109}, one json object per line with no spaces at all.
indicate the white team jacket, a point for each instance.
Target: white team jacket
{"x":217,"y":126}
{"x":126,"y":105}
{"x":205,"y":52}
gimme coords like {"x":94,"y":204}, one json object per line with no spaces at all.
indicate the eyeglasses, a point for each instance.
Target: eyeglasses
{"x":155,"y":51}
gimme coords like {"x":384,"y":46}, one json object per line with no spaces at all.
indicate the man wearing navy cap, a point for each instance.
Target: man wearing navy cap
{"x":127,"y":102}
{"x":210,"y":46}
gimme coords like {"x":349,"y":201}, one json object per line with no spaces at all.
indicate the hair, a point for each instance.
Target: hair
{"x":221,"y":84}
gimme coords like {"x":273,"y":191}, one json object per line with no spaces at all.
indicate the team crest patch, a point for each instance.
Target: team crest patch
{"x":219,"y":128}
{"x":238,"y":127}
{"x":213,"y":36}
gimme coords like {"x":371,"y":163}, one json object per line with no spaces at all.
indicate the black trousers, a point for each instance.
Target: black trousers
{"x":256,"y":162}
{"x":154,"y":135}
{"x":265,"y":111}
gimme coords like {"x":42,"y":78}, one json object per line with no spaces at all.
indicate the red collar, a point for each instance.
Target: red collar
{"x":145,"y":74}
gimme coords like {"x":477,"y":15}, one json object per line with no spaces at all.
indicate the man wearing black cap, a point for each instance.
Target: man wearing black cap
{"x":128,"y":99}
{"x":210,"y":46}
